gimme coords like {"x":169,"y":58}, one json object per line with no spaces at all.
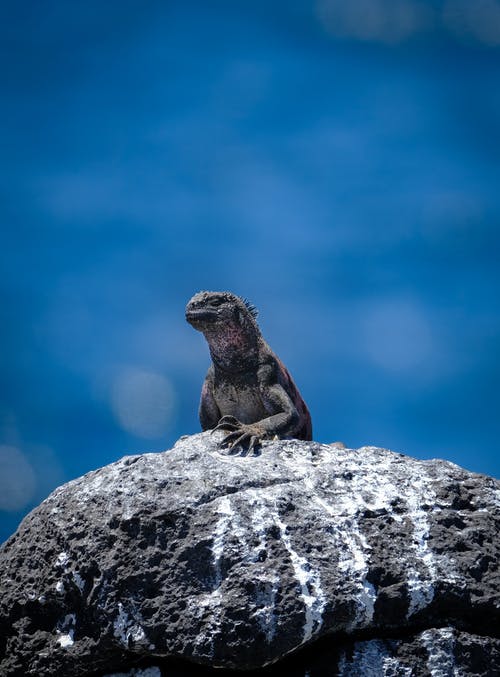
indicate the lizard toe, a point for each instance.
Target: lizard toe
{"x":229,"y":419}
{"x":231,"y":437}
{"x":254,"y":443}
{"x":225,"y":426}
{"x":239,"y":441}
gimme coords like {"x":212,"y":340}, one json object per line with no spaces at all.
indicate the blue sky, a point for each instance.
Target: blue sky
{"x":336,"y":163}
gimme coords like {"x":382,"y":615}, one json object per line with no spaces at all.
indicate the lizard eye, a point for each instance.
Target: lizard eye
{"x":216,"y":302}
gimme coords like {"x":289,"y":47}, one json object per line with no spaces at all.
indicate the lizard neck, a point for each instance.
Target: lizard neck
{"x":235,"y":349}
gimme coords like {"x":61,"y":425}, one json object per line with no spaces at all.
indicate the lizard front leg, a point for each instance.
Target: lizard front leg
{"x":209,"y":412}
{"x":282,"y":421}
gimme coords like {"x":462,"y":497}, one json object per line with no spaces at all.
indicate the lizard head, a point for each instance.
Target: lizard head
{"x":216,"y":311}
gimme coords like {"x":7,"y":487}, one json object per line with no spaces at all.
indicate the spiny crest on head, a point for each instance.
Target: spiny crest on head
{"x":250,"y":307}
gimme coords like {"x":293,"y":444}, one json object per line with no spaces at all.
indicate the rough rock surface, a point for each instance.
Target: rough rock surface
{"x":381,"y":564}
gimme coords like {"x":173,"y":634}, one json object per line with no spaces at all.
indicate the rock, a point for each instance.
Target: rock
{"x":379,"y":563}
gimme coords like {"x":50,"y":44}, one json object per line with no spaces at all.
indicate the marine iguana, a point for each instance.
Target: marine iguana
{"x":248,"y":390}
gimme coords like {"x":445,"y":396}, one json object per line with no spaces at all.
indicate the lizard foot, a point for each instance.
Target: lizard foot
{"x":244,"y":435}
{"x":227,"y":423}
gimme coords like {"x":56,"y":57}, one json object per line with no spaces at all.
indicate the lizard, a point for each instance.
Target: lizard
{"x":248,"y":392}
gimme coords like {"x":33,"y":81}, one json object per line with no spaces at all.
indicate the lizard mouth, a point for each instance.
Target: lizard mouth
{"x":200,"y":316}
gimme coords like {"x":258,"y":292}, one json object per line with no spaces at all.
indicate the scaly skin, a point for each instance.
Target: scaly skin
{"x":247,"y":392}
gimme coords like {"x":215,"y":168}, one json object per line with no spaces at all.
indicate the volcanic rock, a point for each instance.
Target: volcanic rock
{"x":367,"y":561}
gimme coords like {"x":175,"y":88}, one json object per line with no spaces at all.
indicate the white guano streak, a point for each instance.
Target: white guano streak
{"x":371,"y":659}
{"x":354,"y":562}
{"x":225,"y":511}
{"x":309,"y":582}
{"x":204,"y":641}
{"x":308,"y":579}
{"x":62,"y":560}
{"x":252,"y":540}
{"x":126,"y":629}
{"x":420,"y":588}
{"x":420,"y":584}
{"x":66,"y":631}
{"x":268,"y":583}
{"x":228,"y":522}
{"x":439,"y":645}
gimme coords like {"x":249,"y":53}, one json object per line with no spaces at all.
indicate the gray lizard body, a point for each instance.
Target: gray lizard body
{"x":247,"y":391}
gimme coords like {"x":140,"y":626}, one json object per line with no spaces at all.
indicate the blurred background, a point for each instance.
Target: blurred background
{"x":335,"y":162}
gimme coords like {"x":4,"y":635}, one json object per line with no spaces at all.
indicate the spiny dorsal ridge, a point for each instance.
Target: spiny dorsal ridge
{"x":250,"y":307}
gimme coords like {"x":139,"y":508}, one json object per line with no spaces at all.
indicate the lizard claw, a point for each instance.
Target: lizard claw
{"x":236,"y":441}
{"x":254,"y":443}
{"x":233,"y":438}
{"x":224,"y":426}
{"x":227,"y":423}
{"x":245,"y":436}
{"x":253,"y":446}
{"x":230,"y":419}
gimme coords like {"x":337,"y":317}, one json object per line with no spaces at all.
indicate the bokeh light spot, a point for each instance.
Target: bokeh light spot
{"x":17,"y":479}
{"x":386,"y":21}
{"x":397,"y":336}
{"x":143,"y":402}
{"x":478,"y":20}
